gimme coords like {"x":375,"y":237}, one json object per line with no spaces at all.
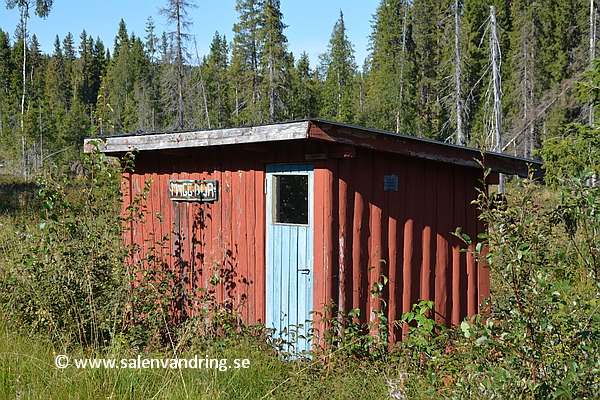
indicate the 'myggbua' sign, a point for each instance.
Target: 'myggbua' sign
{"x":193,"y":190}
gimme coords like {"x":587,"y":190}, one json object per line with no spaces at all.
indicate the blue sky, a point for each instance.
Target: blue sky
{"x":310,"y":22}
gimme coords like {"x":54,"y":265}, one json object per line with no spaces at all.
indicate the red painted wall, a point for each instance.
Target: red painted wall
{"x":409,"y":229}
{"x":357,"y":224}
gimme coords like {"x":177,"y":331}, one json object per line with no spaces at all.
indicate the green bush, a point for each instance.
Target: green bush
{"x":540,"y":335}
{"x":61,"y":276}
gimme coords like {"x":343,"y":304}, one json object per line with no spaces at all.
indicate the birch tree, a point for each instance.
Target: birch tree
{"x":41,"y":9}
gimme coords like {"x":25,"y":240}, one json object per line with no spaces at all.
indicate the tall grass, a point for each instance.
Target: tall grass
{"x":28,"y":371}
{"x":63,"y":281}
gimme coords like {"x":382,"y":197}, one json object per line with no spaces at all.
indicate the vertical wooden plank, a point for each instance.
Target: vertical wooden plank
{"x":378,"y":241}
{"x":457,"y":302}
{"x":483,"y":272}
{"x":408,"y":245}
{"x":350,"y":235}
{"x":333,"y":216}
{"x":248,"y":247}
{"x":167,"y":210}
{"x":301,"y":303}
{"x":472,"y":214}
{"x":430,"y":215}
{"x":306,"y":280}
{"x":445,"y":208}
{"x":321,"y":292}
{"x":395,"y":206}
{"x":357,"y":250}
{"x":259,"y":250}
{"x":187,"y":240}
{"x":417,"y":186}
{"x":344,"y":172}
{"x":360,"y":235}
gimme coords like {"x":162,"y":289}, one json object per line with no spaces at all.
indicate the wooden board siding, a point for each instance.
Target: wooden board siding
{"x":411,"y":230}
{"x":356,"y":225}
{"x":207,"y":239}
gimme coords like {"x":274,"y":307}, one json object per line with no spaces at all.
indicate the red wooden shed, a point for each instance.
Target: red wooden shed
{"x":295,"y":216}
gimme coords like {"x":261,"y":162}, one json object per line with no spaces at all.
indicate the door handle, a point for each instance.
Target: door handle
{"x":305,"y":271}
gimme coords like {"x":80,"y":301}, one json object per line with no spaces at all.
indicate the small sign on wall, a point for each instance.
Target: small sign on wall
{"x":390,"y":183}
{"x":193,"y":190}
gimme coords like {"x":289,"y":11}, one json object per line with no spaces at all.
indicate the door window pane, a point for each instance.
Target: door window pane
{"x":291,"y":199}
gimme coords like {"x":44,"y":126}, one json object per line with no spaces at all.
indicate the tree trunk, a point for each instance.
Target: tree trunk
{"x":180,"y":118}
{"x":402,"y":61}
{"x":24,"y":17}
{"x":497,"y":121}
{"x":592,"y":54}
{"x":460,"y":136}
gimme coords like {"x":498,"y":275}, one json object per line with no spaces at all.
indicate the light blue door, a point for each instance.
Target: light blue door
{"x":289,"y":253}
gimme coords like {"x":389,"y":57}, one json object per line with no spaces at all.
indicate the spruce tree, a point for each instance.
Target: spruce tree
{"x":215,"y":67}
{"x":246,"y":93}
{"x":276,"y":63}
{"x":390,"y":69}
{"x":304,"y":89}
{"x":120,"y":82}
{"x":152,"y":49}
{"x":339,"y":69}
{"x":430,"y":41}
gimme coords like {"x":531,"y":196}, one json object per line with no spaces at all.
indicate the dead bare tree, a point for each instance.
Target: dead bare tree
{"x":176,"y":13}
{"x":497,"y":84}
{"x":458,"y":101}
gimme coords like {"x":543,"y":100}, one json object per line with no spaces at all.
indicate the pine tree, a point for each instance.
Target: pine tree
{"x":339,"y":68}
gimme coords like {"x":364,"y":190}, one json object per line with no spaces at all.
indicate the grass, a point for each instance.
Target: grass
{"x":27,"y":359}
{"x":27,"y":370}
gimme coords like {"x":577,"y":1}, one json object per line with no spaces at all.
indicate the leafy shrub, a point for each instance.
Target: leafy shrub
{"x":539,"y":338}
{"x":63,"y":274}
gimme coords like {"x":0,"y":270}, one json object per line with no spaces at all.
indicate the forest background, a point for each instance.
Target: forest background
{"x":516,"y":76}
{"x":428,"y":72}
